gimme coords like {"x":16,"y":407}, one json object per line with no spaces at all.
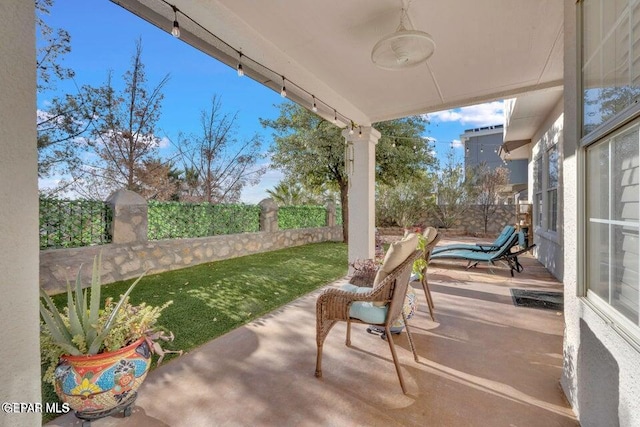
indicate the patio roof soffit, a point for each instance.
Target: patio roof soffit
{"x":499,"y":49}
{"x":512,"y":149}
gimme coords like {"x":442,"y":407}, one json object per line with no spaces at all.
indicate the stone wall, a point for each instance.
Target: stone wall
{"x":125,"y":261}
{"x":473,"y":220}
{"x":132,"y":254}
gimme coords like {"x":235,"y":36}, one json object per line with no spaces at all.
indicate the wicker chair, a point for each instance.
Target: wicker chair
{"x":433,"y":237}
{"x":334,"y":305}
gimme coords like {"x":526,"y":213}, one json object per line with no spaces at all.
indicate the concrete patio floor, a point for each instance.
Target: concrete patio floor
{"x":483,"y":362}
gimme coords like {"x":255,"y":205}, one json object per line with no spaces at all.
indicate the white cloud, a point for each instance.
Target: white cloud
{"x":164,"y":142}
{"x":491,"y":113}
{"x":456,"y":143}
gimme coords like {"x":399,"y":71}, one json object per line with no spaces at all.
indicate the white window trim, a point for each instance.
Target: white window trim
{"x":627,"y":329}
{"x":546,"y":202}
{"x":622,"y":326}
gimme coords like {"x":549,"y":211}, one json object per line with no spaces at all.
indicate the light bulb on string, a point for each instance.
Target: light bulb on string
{"x":481,"y":149}
{"x":351,"y":129}
{"x":175,"y":31}
{"x":335,"y":117}
{"x":360,"y":132}
{"x":240,"y":70}
{"x":283,"y":92}
{"x":315,"y":106}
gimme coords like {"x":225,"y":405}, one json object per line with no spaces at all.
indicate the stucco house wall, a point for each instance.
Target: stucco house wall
{"x":549,"y":243}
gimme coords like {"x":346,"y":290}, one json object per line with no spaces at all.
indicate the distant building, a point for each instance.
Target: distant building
{"x":482,"y":145}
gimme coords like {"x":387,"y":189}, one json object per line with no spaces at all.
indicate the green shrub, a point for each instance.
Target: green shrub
{"x":301,"y":217}
{"x":169,"y":220}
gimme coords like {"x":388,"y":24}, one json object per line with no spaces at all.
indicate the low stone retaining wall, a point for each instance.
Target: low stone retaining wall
{"x":126,"y":261}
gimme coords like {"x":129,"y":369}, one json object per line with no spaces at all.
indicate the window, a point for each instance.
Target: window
{"x":611,"y":87}
{"x":610,"y":59}
{"x":537,"y":189}
{"x":613,"y":253}
{"x":552,"y":188}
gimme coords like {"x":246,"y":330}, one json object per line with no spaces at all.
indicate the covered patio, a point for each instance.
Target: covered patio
{"x":482,"y":362}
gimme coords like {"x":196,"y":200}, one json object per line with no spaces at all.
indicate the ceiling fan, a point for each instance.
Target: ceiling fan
{"x":404,"y":48}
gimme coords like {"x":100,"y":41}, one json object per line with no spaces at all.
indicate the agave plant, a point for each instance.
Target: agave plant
{"x":83,"y":312}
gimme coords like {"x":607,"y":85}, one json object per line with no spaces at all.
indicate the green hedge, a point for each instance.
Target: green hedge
{"x":73,"y":223}
{"x":301,"y":217}
{"x":169,"y":220}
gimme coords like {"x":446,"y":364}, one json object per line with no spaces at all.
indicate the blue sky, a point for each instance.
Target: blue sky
{"x":103,"y":36}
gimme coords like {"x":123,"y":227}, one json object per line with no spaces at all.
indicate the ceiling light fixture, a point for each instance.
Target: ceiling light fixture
{"x":404,"y":48}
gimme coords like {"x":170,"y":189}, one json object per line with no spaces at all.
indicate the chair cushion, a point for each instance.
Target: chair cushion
{"x":397,"y":253}
{"x":365,"y":311}
{"x":429,"y":234}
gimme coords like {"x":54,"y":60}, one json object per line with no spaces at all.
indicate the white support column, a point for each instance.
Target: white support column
{"x":19,"y":254}
{"x":360,"y":164}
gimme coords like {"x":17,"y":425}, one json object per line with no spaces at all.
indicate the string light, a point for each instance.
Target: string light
{"x":481,"y":149}
{"x":467,"y":149}
{"x":315,"y":106}
{"x":240,"y":70}
{"x":175,"y":31}
{"x":351,"y":129}
{"x":360,"y":132}
{"x":257,"y":66}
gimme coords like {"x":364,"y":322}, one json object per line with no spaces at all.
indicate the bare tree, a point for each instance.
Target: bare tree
{"x":453,"y":193}
{"x":488,"y":183}
{"x":122,"y":135}
{"x":217,"y":165}
{"x":54,"y":43}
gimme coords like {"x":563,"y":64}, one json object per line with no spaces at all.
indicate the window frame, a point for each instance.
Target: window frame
{"x":549,"y":189}
{"x":629,"y":331}
{"x":538,"y":196}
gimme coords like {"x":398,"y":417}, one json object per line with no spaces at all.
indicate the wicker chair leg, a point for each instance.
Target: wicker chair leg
{"x":395,"y":358}
{"x":427,"y":294}
{"x":411,"y":344}
{"x":319,"y":362}
{"x":348,"y":340}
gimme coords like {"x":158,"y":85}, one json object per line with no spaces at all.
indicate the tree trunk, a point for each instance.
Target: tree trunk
{"x":344,"y":202}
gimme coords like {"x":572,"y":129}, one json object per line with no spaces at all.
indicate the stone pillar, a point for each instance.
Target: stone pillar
{"x":360,"y":164}
{"x":268,"y":215}
{"x":19,"y":250}
{"x":130,"y":223}
{"x":331,"y":214}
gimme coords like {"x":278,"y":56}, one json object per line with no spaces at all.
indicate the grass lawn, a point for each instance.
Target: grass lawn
{"x":211,"y":299}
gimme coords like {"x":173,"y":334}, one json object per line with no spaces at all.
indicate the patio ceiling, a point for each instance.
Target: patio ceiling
{"x":486,"y":50}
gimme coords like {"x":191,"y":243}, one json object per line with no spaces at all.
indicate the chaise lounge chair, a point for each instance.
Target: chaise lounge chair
{"x":503,"y":254}
{"x":506,"y":233}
